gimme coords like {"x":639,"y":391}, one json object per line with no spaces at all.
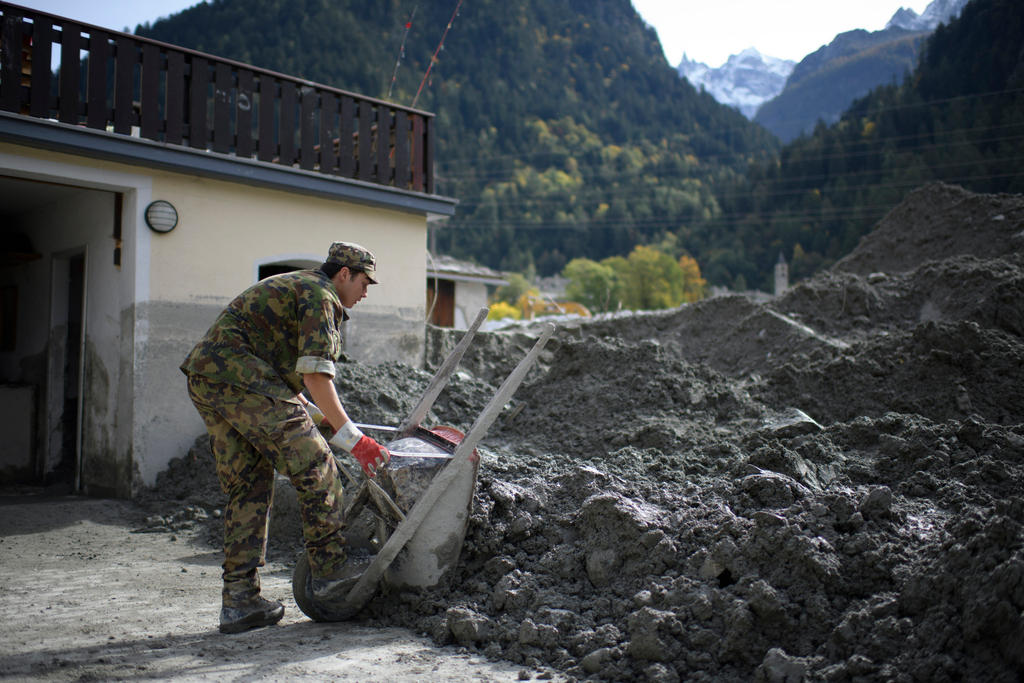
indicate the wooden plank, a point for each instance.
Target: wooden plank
{"x":346,"y":145}
{"x":401,"y":149}
{"x":328,"y":117}
{"x":42,"y":49}
{"x":97,"y":113}
{"x":222,"y":134}
{"x":199,"y":81}
{"x":124,"y":84}
{"x":70,"y":73}
{"x":384,"y":122}
{"x":149,"y":93}
{"x":307,"y":129}
{"x":268,"y":96}
{"x":243,"y":114}
{"x":286,"y":129}
{"x":10,"y":69}
{"x":174,"y":100}
{"x":365,"y":146}
{"x":418,"y":177}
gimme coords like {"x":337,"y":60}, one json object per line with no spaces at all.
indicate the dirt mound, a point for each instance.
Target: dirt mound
{"x":943,"y":371}
{"x":602,"y":394}
{"x":936,"y":222}
{"x":823,"y":487}
{"x":986,"y":292}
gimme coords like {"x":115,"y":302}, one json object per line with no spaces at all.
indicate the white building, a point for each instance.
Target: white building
{"x":131,"y":215}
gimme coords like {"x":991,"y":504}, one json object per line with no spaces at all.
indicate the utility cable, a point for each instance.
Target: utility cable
{"x":433,"y":58}
{"x":401,"y":51}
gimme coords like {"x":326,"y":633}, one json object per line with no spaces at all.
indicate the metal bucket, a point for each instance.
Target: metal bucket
{"x":436,"y":545}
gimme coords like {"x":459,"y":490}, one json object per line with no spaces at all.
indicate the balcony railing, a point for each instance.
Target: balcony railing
{"x":56,"y":68}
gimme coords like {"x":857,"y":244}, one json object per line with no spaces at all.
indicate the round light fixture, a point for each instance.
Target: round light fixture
{"x":161,"y":216}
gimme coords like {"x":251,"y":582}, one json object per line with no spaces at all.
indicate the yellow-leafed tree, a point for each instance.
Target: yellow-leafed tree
{"x":695,"y":287}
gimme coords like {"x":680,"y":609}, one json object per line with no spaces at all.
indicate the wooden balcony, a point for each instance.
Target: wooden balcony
{"x":62,"y":70}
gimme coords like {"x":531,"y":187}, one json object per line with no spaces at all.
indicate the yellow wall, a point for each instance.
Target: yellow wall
{"x":222,"y":225}
{"x":171,"y":286}
{"x":226,"y":229}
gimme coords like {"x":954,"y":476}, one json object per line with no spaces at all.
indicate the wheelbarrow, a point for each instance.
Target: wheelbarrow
{"x":421,"y":501}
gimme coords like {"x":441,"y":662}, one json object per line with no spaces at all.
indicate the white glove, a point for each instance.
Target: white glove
{"x":347,"y":437}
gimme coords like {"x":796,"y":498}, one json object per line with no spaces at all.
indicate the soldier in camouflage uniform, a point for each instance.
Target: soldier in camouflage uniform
{"x":245,"y":377}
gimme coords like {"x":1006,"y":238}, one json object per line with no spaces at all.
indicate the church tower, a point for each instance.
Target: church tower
{"x":781,"y":276}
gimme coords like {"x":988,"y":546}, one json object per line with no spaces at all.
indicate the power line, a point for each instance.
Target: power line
{"x":450,"y":160}
{"x":401,"y":50}
{"x":606,"y":194}
{"x":732,"y":218}
{"x":433,"y":58}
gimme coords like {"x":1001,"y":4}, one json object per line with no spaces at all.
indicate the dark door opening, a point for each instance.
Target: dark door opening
{"x":66,"y":475}
{"x":441,"y":302}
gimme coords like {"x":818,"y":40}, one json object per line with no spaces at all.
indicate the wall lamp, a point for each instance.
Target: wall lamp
{"x":161,"y":216}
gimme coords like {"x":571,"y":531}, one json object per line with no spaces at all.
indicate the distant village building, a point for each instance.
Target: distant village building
{"x":457,"y":290}
{"x":781,"y":276}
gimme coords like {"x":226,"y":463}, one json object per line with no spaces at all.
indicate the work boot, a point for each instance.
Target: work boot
{"x":250,"y":613}
{"x":334,"y":588}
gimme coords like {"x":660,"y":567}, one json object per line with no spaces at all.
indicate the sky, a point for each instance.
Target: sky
{"x":706,"y":30}
{"x":710,"y":30}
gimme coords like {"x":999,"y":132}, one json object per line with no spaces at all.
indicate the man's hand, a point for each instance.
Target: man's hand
{"x":368,"y":452}
{"x":371,"y":455}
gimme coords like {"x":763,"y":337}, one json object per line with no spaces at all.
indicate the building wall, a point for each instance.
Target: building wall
{"x":470,"y":297}
{"x":225,"y":232}
{"x":172,"y":285}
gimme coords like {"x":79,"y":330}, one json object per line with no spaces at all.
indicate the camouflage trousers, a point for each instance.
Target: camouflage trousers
{"x":253,"y":435}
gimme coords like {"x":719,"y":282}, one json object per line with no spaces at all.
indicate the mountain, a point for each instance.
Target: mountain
{"x":827,"y":81}
{"x":560,"y":127}
{"x":937,"y":12}
{"x":957,"y":120}
{"x":745,"y":81}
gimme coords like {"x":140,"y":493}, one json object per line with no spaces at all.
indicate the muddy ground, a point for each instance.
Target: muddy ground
{"x":824,"y":487}
{"x":96,"y":590}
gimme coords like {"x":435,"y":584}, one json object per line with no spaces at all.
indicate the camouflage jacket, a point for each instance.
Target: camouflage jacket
{"x":271,"y":334}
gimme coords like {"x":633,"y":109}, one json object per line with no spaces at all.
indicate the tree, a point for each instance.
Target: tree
{"x":595,"y":285}
{"x":694,"y":286}
{"x":516,"y":287}
{"x":653,"y":280}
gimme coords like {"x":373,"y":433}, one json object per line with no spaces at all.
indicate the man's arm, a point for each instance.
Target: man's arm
{"x":370,"y":454}
{"x":325,"y":396}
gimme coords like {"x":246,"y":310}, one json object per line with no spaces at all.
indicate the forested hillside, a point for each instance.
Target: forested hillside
{"x":959,"y":119}
{"x":565,"y":134}
{"x":562,"y":130}
{"x":825,"y":82}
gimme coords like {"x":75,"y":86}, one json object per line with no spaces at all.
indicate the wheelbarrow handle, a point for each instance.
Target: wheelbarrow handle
{"x":444,"y":373}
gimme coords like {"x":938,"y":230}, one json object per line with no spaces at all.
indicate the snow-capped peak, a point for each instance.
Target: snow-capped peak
{"x":745,"y":81}
{"x":937,"y":12}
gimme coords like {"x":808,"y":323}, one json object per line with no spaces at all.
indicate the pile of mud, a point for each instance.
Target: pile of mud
{"x":826,"y":486}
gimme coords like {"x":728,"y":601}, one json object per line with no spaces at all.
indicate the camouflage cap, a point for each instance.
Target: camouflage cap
{"x":354,"y":256}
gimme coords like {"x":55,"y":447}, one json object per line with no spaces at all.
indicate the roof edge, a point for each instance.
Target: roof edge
{"x":69,"y":139}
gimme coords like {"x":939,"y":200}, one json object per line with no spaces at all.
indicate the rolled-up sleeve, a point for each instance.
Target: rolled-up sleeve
{"x":311,"y":364}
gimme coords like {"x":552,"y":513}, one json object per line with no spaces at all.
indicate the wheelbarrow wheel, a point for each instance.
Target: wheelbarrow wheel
{"x":302,"y":591}
{"x":302,"y":588}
